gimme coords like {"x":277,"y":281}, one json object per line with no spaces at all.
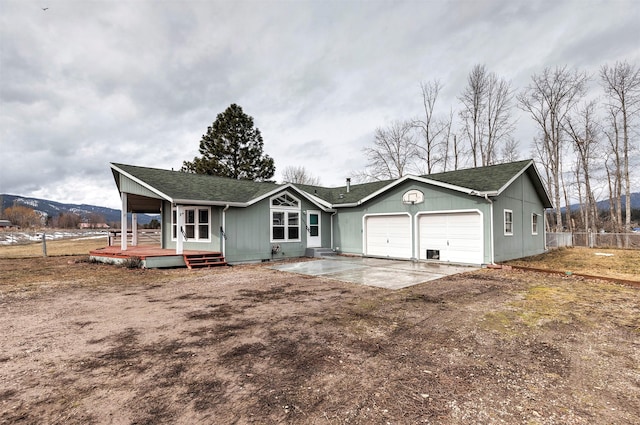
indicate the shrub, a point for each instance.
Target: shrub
{"x":133,"y":263}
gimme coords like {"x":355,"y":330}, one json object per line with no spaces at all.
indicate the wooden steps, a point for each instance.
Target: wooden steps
{"x":204,"y":260}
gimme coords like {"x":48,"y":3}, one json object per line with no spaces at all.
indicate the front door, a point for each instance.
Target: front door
{"x":314,"y":238}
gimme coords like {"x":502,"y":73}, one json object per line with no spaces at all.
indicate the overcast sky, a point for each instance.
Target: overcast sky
{"x":85,"y":83}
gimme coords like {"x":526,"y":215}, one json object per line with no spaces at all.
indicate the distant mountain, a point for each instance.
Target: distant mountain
{"x":53,"y":209}
{"x":635,"y":202}
{"x":604,"y":205}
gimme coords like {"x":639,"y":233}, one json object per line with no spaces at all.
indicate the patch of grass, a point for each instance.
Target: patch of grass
{"x":31,"y":275}
{"x":547,"y":304}
{"x":504,"y":322}
{"x":539,"y":306}
{"x":73,"y":246}
{"x":365,"y":308}
{"x":583,"y":304}
{"x":617,"y":263}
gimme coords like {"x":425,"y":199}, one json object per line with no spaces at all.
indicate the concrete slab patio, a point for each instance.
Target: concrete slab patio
{"x":381,"y":273}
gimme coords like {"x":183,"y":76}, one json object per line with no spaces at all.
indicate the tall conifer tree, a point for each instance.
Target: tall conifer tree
{"x":232,"y":147}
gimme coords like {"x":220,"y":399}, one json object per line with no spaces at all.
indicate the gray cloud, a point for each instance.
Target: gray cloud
{"x":86,"y":83}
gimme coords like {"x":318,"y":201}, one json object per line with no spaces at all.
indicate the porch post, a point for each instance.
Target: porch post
{"x":123,"y":222}
{"x":134,"y":229}
{"x":180,"y":229}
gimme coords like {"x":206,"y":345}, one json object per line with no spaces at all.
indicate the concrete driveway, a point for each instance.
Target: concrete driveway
{"x":390,"y":274}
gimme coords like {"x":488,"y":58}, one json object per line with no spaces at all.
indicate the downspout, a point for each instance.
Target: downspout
{"x":332,"y":247}
{"x":524,"y":221}
{"x":180,"y":233}
{"x":224,"y":235}
{"x":544,"y":229}
{"x":486,"y":197}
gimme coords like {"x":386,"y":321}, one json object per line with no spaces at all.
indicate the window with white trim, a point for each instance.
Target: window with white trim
{"x":508,"y":222}
{"x":285,"y":218}
{"x":534,"y":224}
{"x":197,"y":224}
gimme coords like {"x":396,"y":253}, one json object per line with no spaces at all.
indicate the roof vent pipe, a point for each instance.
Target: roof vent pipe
{"x":348,"y":184}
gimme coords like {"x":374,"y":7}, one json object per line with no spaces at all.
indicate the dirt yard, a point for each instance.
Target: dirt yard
{"x":83,"y":343}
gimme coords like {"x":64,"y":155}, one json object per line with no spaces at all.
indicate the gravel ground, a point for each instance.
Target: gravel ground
{"x":85,"y":343}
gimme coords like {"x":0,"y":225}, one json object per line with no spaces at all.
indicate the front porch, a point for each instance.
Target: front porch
{"x":156,"y":257}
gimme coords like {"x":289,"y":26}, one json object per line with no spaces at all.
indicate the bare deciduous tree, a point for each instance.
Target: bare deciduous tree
{"x":472,"y":99}
{"x":486,"y":114}
{"x":392,"y":154}
{"x":435,"y":132}
{"x":299,"y":175}
{"x":584,"y":133}
{"x":499,"y":122}
{"x":450,"y":150}
{"x":510,"y":151}
{"x":548,"y":99}
{"x":622,"y":86}
{"x":613,"y":164}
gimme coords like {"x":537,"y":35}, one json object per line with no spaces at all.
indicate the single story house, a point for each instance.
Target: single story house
{"x":473,"y":216}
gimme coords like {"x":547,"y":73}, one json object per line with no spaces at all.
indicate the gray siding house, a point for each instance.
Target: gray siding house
{"x":474,"y":216}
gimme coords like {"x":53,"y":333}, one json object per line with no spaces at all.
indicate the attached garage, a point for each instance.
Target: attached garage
{"x":451,"y":236}
{"x":388,"y":235}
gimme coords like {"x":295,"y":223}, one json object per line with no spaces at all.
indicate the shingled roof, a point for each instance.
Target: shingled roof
{"x":490,"y":180}
{"x":482,"y":179}
{"x":178,"y":185}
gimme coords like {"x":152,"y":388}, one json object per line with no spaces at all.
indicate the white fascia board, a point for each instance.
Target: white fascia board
{"x":518,"y":174}
{"x":268,"y":194}
{"x":352,"y":204}
{"x":317,"y":201}
{"x":208,"y":203}
{"x":420,"y":180}
{"x":142,"y":183}
{"x":322,"y":205}
{"x":531,"y":164}
{"x":451,"y":186}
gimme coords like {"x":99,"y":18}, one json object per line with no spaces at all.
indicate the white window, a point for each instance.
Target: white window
{"x":508,"y":222}
{"x":197,"y":224}
{"x":534,"y":224}
{"x":285,"y":218}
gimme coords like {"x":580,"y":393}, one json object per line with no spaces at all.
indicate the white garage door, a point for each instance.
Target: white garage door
{"x":455,"y":237}
{"x":388,"y":236}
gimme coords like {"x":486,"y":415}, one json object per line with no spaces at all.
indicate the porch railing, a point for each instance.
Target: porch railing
{"x":145,"y":237}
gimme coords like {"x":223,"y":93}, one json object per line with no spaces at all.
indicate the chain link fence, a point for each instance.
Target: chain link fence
{"x":593,"y":240}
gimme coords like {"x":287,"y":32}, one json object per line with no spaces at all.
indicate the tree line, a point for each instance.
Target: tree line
{"x":580,"y":142}
{"x":26,"y":217}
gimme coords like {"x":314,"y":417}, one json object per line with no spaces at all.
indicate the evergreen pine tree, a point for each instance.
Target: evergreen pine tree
{"x":232,"y":147}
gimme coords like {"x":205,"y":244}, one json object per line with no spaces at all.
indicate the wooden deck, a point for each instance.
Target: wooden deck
{"x":155,"y":257}
{"x":142,"y":251}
